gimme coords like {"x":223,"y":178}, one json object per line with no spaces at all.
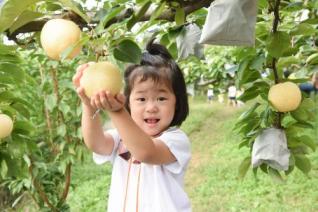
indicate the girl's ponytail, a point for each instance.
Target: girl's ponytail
{"x":156,"y":55}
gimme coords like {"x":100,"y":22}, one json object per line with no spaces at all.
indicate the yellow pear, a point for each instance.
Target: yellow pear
{"x":59,"y":34}
{"x":101,"y":76}
{"x":6,"y":125}
{"x":285,"y":96}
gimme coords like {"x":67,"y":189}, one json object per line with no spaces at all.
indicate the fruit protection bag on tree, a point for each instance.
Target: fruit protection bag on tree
{"x":230,"y":23}
{"x":187,"y":42}
{"x":270,"y":147}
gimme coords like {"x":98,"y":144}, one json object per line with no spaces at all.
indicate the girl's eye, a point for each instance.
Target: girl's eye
{"x":162,"y":98}
{"x":141,"y":99}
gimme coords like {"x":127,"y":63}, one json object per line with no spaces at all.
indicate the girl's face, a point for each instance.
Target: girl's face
{"x":152,"y":106}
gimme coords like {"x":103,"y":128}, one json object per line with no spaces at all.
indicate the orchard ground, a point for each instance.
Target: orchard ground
{"x":211,"y":180}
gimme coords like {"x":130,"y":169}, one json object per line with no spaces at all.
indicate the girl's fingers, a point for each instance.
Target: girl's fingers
{"x":97,"y":101}
{"x":114,"y":102}
{"x":120,"y":98}
{"x":111,"y":99}
{"x":79,"y":72}
{"x":104,"y":100}
{"x":93,"y":102}
{"x":82,"y":67}
{"x":81,"y":93}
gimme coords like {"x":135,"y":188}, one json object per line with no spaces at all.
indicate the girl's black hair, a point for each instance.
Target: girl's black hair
{"x":157,"y":63}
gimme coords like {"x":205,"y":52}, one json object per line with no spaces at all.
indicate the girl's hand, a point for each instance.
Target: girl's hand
{"x":76,"y":81}
{"x":106,"y":101}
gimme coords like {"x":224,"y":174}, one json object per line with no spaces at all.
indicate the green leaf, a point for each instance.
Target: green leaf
{"x":27,"y":160}
{"x":285,"y":62}
{"x":7,"y":109}
{"x":7,"y":57}
{"x":247,"y":114}
{"x":76,"y":8}
{"x":5,"y":80}
{"x":262,"y":4}
{"x":302,"y":163}
{"x":10,"y":10}
{"x":249,"y":75}
{"x":127,"y":51}
{"x":179,"y":16}
{"x":6,"y":96}
{"x":258,"y":62}
{"x":155,"y":14}
{"x":23,"y":127}
{"x":288,"y":121}
{"x":173,"y":33}
{"x":67,"y":51}
{"x":4,"y":50}
{"x":12,"y":70}
{"x":158,"y":11}
{"x":242,"y":67}
{"x":61,"y":130}
{"x":304,"y":29}
{"x":135,"y":18}
{"x":311,"y":20}
{"x":243,"y":143}
{"x":26,"y":17}
{"x":291,"y":164}
{"x":278,"y":43}
{"x":275,"y":175}
{"x":51,"y":102}
{"x":22,"y":109}
{"x":243,"y":168}
{"x":294,"y":6}
{"x":261,"y":29}
{"x":111,"y":14}
{"x":246,"y":74}
{"x":309,"y":142}
{"x":305,"y":111}
{"x":52,"y":6}
{"x":17,"y":148}
{"x":250,"y":126}
{"x":4,"y":169}
{"x":312,"y":59}
{"x":250,"y":93}
{"x":173,"y":50}
{"x":264,"y":168}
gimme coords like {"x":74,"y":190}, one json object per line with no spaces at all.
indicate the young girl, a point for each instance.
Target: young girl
{"x":148,"y":151}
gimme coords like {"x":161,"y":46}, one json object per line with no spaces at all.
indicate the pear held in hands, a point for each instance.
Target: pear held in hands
{"x":101,"y":76}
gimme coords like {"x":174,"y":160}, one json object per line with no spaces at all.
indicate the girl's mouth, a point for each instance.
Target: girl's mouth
{"x":152,"y":121}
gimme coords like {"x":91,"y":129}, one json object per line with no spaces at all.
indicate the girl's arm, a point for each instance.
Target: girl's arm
{"x":94,"y":137}
{"x":142,"y":146}
{"x":93,"y":134}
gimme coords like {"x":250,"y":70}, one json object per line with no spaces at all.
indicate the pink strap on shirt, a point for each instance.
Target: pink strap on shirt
{"x":127,"y":184}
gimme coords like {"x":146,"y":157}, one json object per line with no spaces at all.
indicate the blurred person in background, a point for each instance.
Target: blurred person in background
{"x":311,"y":88}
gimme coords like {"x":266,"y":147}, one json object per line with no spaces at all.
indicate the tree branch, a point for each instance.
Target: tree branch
{"x":67,"y":182}
{"x":169,"y":14}
{"x":39,"y":189}
{"x":36,"y":26}
{"x":278,"y":121}
{"x":276,"y":16}
{"x":274,"y":30}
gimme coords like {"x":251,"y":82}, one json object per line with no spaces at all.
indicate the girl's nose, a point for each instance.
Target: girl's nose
{"x":151,"y":107}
